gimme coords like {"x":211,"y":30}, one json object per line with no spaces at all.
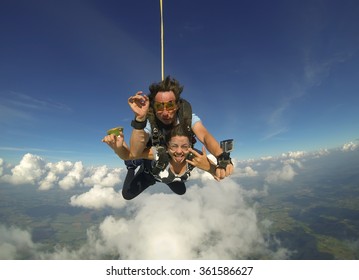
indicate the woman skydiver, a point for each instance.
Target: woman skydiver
{"x":172,"y":166}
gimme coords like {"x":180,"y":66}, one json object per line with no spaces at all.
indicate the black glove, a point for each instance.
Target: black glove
{"x":223,"y":160}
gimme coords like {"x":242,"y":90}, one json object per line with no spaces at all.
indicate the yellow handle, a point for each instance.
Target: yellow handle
{"x":115,"y":130}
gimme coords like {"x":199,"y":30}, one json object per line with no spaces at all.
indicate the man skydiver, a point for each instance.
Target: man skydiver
{"x":158,"y":112}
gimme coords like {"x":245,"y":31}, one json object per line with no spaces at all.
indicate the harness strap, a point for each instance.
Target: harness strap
{"x":162,"y":161}
{"x":185,"y":116}
{"x":158,"y":139}
{"x":155,"y":136}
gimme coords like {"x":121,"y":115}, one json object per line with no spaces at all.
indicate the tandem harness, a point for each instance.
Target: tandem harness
{"x":159,"y":132}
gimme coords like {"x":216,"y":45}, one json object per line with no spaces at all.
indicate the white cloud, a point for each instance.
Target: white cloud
{"x":49,"y":181}
{"x":246,"y":171}
{"x":73,"y":178}
{"x":285,"y":174}
{"x":351,"y":146}
{"x":1,"y":166}
{"x":321,"y":153}
{"x":34,"y":170}
{"x":98,"y":197}
{"x":295,"y":155}
{"x":249,"y":172}
{"x":104,"y":176}
{"x":209,"y":222}
{"x":15,"y":243}
{"x":55,"y":171}
{"x":213,"y":220}
{"x":267,"y":158}
{"x":29,"y":171}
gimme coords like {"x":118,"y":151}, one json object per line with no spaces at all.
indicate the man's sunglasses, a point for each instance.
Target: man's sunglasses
{"x":161,"y":106}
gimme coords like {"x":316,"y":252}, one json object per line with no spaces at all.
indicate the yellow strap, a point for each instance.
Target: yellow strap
{"x":162,"y":49}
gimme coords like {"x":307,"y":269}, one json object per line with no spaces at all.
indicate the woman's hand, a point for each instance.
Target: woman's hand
{"x":203,"y":162}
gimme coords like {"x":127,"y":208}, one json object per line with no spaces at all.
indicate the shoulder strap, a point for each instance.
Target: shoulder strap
{"x":185,"y":116}
{"x":156,"y":133}
{"x":185,"y":112}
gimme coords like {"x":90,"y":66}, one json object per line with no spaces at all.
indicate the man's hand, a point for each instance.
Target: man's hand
{"x":221,"y":173}
{"x":139,"y":104}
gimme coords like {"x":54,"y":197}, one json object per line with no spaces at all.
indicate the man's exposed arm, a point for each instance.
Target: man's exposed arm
{"x":139,"y":104}
{"x":138,"y":142}
{"x":207,"y":139}
{"x":213,"y":147}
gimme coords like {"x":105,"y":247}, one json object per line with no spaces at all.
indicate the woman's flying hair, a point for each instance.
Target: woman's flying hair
{"x":178,"y":130}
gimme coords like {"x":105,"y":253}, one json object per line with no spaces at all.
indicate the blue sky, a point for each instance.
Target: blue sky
{"x":276,"y":76}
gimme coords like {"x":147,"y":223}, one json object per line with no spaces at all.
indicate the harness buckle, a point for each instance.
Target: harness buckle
{"x":162,"y":160}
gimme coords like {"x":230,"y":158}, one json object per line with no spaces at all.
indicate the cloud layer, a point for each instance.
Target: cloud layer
{"x":209,"y":222}
{"x":213,"y":220}
{"x":34,"y":170}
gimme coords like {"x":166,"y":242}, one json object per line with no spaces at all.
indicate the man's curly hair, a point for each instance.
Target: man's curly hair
{"x":168,"y":84}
